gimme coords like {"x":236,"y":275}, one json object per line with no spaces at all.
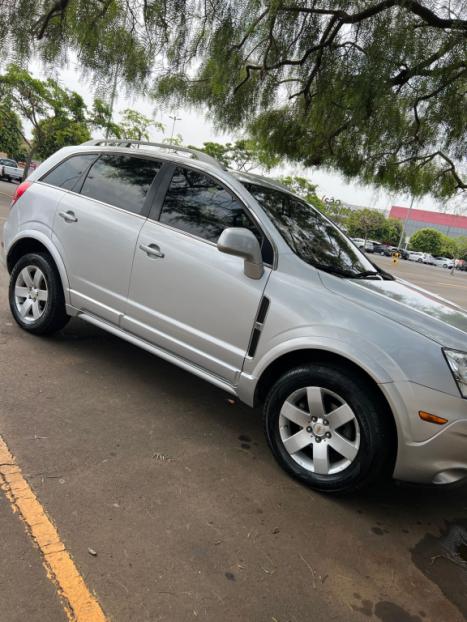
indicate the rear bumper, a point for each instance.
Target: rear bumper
{"x":429,"y":453}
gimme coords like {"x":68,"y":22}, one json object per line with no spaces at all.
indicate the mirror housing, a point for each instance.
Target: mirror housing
{"x":241,"y":242}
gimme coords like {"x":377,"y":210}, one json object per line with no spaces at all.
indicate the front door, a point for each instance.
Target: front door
{"x":185,"y":296}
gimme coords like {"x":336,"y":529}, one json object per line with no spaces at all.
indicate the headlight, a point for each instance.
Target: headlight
{"x":457,"y":361}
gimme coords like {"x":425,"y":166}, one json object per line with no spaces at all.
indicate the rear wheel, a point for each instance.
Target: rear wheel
{"x":325,"y":427}
{"x":36,"y":295}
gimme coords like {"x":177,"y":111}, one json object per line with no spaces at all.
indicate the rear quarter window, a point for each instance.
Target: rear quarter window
{"x":67,"y":174}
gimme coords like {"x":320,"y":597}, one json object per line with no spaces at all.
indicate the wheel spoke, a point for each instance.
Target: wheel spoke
{"x":21,"y":292}
{"x":294,"y":414}
{"x":297,"y":441}
{"x":26,"y":276}
{"x":320,"y":458}
{"x":340,"y":416}
{"x":315,"y":401}
{"x":37,"y":278}
{"x":36,"y":312}
{"x":25,"y":307}
{"x":343,"y":446}
{"x":42,"y":294}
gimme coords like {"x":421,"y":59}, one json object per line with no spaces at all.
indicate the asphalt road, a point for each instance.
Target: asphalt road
{"x":175,"y":490}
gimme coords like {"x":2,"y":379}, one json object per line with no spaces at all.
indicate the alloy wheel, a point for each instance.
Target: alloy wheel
{"x":319,"y":430}
{"x":31,"y":294}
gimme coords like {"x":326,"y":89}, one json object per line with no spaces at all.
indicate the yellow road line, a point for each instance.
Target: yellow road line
{"x":10,"y":196}
{"x":79,"y":604}
{"x":451,"y":284}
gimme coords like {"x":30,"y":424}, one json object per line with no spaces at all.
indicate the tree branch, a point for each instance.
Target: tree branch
{"x":427,"y":15}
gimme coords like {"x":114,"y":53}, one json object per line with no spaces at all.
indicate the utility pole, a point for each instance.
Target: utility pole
{"x":405,"y":223}
{"x":175,"y":119}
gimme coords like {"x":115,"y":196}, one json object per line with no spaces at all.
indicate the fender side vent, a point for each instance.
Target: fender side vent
{"x":259,"y":322}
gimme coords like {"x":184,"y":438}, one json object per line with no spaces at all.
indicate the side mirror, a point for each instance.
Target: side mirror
{"x":242,"y":243}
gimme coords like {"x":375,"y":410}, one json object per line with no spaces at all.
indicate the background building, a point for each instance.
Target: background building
{"x":449,"y":224}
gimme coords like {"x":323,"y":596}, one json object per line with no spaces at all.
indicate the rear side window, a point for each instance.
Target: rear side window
{"x":121,"y":180}
{"x":197,"y":204}
{"x":67,"y":174}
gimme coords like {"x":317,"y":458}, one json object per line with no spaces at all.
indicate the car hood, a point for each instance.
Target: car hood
{"x":412,"y":306}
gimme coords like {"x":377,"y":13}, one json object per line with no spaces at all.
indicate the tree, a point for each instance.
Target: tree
{"x":11,"y":130}
{"x":136,"y":126}
{"x":427,"y":241}
{"x":242,"y":155}
{"x":372,"y":88}
{"x":392,"y":232}
{"x":367,"y":224}
{"x":101,"y":119}
{"x":449,"y":247}
{"x":57,"y":115}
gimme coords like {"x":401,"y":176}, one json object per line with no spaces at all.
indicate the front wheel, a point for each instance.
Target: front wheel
{"x":327,"y":429}
{"x":36,"y":295}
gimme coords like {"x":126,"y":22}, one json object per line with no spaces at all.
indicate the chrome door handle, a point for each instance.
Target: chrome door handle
{"x":152,"y":250}
{"x":68,"y":216}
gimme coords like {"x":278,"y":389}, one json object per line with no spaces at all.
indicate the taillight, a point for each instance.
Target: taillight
{"x":20,"y":190}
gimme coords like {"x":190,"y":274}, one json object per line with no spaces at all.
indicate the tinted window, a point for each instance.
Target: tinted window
{"x":310,"y":235}
{"x":68,"y":173}
{"x":199,"y":205}
{"x":5,"y":162}
{"x":121,"y":180}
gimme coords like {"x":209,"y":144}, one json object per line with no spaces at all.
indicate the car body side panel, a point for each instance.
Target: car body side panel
{"x":195,"y":301}
{"x":98,"y":251}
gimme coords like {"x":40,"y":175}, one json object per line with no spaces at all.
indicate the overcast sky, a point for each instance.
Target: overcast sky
{"x":195,"y":128}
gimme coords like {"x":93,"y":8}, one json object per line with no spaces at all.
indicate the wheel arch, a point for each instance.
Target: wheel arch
{"x":36,"y":242}
{"x":295,"y":358}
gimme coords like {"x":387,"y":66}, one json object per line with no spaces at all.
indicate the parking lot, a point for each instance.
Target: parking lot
{"x":166,"y":496}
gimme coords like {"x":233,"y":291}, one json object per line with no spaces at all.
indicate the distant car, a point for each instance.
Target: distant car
{"x":416,"y":256}
{"x":367,"y":245}
{"x":428,"y":259}
{"x":443,"y":262}
{"x":380,"y":249}
{"x":9,"y":170}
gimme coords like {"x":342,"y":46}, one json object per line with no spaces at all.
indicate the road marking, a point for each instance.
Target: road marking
{"x":10,"y":196}
{"x":79,"y":604}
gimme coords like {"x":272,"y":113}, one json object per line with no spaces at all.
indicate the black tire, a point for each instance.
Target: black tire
{"x":54,"y":316}
{"x":375,"y":456}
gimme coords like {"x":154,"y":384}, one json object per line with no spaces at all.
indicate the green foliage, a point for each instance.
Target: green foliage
{"x":52,"y":134}
{"x":427,"y":241}
{"x":57,"y":115}
{"x":368,"y":224}
{"x":449,"y":247}
{"x":242,"y":155}
{"x":136,"y":126}
{"x":461,"y":243}
{"x":393,"y":231}
{"x":304,"y":189}
{"x":373,"y":89}
{"x":11,"y":131}
{"x":100,"y":118}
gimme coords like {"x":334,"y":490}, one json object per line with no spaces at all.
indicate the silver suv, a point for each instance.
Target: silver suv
{"x":232,"y":277}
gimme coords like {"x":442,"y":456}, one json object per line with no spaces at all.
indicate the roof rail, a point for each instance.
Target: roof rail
{"x":195,"y":153}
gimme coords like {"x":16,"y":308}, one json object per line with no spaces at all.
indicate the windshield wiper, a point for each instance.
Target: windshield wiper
{"x":366,"y":274}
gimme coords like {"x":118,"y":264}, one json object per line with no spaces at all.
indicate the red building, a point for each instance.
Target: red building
{"x":449,"y":224}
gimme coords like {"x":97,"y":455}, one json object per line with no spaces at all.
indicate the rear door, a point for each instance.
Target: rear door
{"x":96,"y":227}
{"x":186,"y":296}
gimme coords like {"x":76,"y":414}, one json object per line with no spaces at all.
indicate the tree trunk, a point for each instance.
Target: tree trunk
{"x":28,"y":164}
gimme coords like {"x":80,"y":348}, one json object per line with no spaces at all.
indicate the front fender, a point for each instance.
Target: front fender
{"x":366,"y":355}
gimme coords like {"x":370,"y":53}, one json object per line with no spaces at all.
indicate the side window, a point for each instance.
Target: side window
{"x":68,"y":173}
{"x":197,"y":204}
{"x":121,"y":180}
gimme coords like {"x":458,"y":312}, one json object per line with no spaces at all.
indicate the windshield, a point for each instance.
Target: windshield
{"x":6,"y":162}
{"x":310,"y":235}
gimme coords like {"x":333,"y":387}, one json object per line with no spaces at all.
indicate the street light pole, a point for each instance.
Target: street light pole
{"x":405,"y":223}
{"x":175,"y":119}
